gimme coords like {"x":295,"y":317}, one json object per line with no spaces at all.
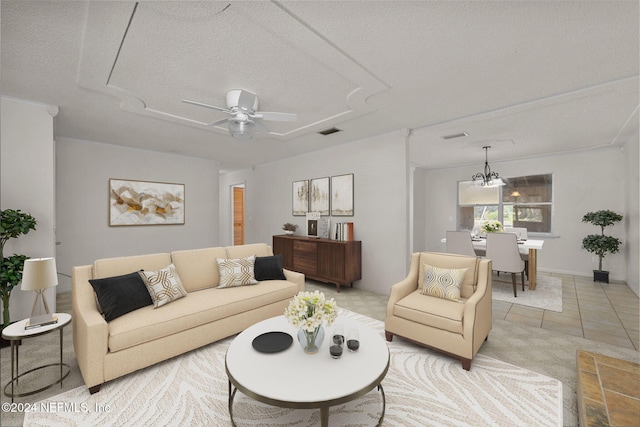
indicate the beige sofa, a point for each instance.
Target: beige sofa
{"x":150,"y":335}
{"x":458,"y":328}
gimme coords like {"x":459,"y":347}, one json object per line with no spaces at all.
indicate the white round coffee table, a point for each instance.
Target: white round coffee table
{"x":293,"y":379}
{"x":16,"y":332}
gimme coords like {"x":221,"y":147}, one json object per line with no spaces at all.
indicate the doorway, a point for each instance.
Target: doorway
{"x":238,"y":214}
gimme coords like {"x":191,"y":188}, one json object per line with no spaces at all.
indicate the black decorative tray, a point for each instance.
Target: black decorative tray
{"x":272,"y":342}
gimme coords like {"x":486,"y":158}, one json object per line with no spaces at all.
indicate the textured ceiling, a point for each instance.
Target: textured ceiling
{"x":525,"y":77}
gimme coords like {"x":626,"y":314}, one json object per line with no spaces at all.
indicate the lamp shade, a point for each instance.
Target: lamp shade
{"x":38,"y":274}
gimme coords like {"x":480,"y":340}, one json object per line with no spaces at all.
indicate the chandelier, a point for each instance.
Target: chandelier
{"x":488,"y":178}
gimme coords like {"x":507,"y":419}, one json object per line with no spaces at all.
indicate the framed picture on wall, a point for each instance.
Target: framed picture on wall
{"x":134,"y":202}
{"x":300,"y":198}
{"x":342,"y":195}
{"x":319,"y":196}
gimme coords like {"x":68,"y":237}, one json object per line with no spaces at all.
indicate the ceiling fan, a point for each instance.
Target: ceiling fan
{"x":244,"y":120}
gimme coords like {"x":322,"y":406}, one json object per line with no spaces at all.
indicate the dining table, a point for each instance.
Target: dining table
{"x":528,"y":246}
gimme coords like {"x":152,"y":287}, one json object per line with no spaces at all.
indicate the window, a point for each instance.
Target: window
{"x":524,"y":201}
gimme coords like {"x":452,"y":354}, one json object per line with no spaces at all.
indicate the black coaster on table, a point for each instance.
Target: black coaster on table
{"x":272,"y":342}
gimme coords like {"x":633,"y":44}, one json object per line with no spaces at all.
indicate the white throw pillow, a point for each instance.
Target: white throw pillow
{"x":236,"y":272}
{"x":442,"y":282}
{"x":163,"y":285}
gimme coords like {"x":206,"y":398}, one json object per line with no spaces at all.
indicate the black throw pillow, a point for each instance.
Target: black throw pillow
{"x":120,"y":295}
{"x":268,"y":268}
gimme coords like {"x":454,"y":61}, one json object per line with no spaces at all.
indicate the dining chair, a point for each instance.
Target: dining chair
{"x":459,"y":242}
{"x":522,"y":234}
{"x":502,"y":250}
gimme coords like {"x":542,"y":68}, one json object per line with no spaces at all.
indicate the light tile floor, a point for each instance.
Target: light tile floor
{"x":602,"y":312}
{"x":605,"y":312}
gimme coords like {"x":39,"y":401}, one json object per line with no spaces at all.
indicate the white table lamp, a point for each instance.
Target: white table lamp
{"x":39,"y":274}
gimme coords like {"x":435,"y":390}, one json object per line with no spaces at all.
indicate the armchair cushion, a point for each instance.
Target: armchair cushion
{"x":453,"y":261}
{"x":442,"y":282}
{"x":442,"y":314}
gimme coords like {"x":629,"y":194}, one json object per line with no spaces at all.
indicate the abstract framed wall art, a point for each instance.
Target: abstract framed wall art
{"x":342,"y":195}
{"x":300,"y":198}
{"x":319,"y":196}
{"x":134,"y":202}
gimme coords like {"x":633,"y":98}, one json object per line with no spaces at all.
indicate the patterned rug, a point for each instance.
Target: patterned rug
{"x":547,"y":295}
{"x":422,"y":388}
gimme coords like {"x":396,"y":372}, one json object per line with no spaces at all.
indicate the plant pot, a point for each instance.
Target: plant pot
{"x":600,"y":276}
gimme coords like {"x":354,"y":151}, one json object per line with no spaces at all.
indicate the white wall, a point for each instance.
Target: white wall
{"x":27,"y":156}
{"x":83,"y":232}
{"x":381,"y":202}
{"x":631,"y":220}
{"x":582,"y":182}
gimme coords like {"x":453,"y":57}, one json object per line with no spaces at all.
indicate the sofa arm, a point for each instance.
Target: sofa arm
{"x":478,"y":306}
{"x":295,"y":277}
{"x":90,"y":330}
{"x":405,"y":286}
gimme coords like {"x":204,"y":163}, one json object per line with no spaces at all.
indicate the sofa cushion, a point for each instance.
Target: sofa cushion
{"x":442,"y":282}
{"x":243,"y":251}
{"x":164,"y":285}
{"x":453,"y":261}
{"x":269,"y":268}
{"x":124,"y":265}
{"x":198,"y":268}
{"x":236,"y":272}
{"x":441,"y":313}
{"x":119,"y":295}
{"x":197,"y":308}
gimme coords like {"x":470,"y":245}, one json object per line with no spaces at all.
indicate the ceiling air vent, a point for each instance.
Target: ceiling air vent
{"x":329,"y":131}
{"x":455,"y":135}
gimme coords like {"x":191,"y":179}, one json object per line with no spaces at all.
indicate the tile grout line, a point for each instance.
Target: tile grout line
{"x":618,"y":316}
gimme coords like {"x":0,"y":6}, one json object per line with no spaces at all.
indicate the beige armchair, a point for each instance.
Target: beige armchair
{"x":457,"y":328}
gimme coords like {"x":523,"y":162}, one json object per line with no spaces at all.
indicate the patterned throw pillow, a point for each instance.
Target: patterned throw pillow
{"x":236,"y":272}
{"x":163,"y":285}
{"x":442,"y":282}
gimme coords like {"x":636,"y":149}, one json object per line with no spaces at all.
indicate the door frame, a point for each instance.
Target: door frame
{"x":244,"y":209}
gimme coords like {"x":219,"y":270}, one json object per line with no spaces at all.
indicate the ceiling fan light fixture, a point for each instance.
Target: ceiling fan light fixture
{"x":241,"y":129}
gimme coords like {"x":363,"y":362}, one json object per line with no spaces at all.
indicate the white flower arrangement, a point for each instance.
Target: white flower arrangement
{"x":492,"y":227}
{"x":308,"y":310}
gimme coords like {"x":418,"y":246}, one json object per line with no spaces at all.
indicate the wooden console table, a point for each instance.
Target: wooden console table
{"x":325,"y":260}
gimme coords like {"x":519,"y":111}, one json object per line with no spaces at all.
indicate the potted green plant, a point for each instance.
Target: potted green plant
{"x":13,"y":223}
{"x":601,"y":244}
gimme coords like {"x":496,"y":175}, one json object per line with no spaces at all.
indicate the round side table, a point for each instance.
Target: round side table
{"x":17,"y":332}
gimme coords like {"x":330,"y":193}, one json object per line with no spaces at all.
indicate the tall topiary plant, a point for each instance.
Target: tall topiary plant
{"x":13,"y":223}
{"x":601,"y":244}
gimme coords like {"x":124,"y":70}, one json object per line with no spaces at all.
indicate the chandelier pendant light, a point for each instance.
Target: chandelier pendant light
{"x":487,"y":178}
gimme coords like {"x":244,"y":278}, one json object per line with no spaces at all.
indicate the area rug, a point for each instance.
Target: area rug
{"x":422,"y":388}
{"x":547,"y":295}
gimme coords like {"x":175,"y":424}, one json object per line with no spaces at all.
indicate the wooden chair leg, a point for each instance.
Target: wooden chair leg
{"x":513,"y":279}
{"x":95,"y":389}
{"x":388,"y":336}
{"x":522,"y":274}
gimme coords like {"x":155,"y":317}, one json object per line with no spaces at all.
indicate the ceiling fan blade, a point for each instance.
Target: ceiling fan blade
{"x":276,"y":117}
{"x":219,"y":122}
{"x":200,"y":104}
{"x":246,"y":100}
{"x":260,"y":127}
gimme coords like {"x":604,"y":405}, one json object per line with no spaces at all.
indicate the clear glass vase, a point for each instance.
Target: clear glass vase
{"x":311,"y":341}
